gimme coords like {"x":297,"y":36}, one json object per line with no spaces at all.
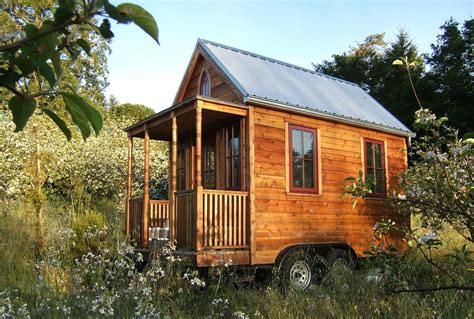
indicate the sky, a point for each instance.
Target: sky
{"x":299,"y":32}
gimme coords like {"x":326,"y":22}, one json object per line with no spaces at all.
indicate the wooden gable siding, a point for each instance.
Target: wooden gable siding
{"x":283,"y":218}
{"x":219,"y":88}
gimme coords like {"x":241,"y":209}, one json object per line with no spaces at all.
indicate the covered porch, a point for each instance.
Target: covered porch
{"x":207,"y":210}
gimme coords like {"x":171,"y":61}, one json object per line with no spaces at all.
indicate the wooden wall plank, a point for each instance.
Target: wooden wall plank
{"x":282,"y":218}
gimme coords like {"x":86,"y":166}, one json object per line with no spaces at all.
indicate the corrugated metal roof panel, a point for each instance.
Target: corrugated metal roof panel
{"x":276,"y":81}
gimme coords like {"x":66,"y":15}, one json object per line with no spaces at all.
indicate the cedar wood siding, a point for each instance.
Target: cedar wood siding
{"x":283,"y":219}
{"x":219,"y":88}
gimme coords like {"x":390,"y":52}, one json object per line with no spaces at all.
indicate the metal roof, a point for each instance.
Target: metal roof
{"x":265,"y":80}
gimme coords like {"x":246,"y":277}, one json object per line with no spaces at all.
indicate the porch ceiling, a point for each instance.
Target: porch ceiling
{"x":186,"y":124}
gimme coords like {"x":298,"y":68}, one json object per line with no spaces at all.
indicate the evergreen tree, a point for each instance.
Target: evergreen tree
{"x":452,"y":72}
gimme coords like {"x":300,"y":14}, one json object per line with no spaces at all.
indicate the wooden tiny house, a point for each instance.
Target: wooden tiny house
{"x":259,"y":150}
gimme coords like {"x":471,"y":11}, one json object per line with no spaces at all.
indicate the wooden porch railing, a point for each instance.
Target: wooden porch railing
{"x":136,"y":220}
{"x":225,"y":219}
{"x":159,"y":220}
{"x":185,"y":217}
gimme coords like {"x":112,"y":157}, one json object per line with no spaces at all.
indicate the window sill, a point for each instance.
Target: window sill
{"x":304,"y":194}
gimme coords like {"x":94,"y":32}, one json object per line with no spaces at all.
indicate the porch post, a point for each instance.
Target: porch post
{"x":146,"y":189}
{"x":199,"y":189}
{"x":129,"y":186}
{"x":174,"y":159}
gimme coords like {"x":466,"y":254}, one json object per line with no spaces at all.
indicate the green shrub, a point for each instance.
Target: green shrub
{"x":90,"y":233}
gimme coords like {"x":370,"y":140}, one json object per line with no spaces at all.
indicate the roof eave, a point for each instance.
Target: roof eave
{"x":329,"y":116}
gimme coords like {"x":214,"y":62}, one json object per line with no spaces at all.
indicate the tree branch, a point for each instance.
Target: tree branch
{"x":456,"y":287}
{"x":71,"y":21}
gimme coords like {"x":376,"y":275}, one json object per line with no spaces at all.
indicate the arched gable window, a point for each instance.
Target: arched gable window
{"x":205,"y":87}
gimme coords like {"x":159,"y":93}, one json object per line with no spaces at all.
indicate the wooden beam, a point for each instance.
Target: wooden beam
{"x":251,"y":205}
{"x":174,"y":159}
{"x":223,"y":108}
{"x":129,"y":185}
{"x":146,"y":189}
{"x":136,"y":131}
{"x":198,"y":144}
{"x":199,"y":188}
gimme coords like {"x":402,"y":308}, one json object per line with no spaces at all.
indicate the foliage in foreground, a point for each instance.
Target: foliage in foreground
{"x":107,"y":283}
{"x":37,"y":50}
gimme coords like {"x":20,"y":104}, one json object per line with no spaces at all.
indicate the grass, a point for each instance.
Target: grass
{"x":51,"y":290}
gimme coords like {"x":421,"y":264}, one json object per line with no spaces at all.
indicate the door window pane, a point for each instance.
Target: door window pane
{"x":232,"y":156}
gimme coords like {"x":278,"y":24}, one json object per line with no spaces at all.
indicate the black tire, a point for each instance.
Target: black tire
{"x":299,"y":268}
{"x":337,"y":257}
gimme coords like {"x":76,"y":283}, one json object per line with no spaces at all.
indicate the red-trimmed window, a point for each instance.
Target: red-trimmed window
{"x":205,"y":86}
{"x":375,"y":166}
{"x":303,"y":159}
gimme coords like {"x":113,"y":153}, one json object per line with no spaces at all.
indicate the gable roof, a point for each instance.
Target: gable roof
{"x":271,"y":82}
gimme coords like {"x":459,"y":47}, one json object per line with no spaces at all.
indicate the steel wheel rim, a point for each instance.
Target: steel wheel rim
{"x":300,"y":274}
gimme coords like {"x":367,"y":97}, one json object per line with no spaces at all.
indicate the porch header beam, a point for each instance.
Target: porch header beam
{"x":180,"y":108}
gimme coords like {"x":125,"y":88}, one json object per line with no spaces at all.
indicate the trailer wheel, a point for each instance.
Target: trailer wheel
{"x":299,"y":269}
{"x":340,"y":259}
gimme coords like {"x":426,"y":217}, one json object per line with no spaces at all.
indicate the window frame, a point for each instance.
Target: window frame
{"x":205,"y":75}
{"x":292,"y":188}
{"x":374,"y":168}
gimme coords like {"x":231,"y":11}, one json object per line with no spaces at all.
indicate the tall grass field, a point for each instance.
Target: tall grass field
{"x":89,"y":271}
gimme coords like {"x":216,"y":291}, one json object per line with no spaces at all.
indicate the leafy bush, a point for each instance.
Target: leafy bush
{"x":97,"y":168}
{"x":89,"y":230}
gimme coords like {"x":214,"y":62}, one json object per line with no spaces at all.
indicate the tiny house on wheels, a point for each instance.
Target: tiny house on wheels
{"x":259,"y":150}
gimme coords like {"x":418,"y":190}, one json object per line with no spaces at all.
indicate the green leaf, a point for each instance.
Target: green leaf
{"x":397,"y":62}
{"x":62,"y":14}
{"x":73,"y":51}
{"x":105,"y":31}
{"x":59,"y":122}
{"x":85,"y":46}
{"x":9,"y":79}
{"x":350,"y":178}
{"x":25,"y":64}
{"x":115,"y":14}
{"x":141,"y":18}
{"x":30,"y":30}
{"x":91,"y":115}
{"x":468,"y":135}
{"x":68,"y":4}
{"x":469,"y":140}
{"x":46,"y":71}
{"x":79,"y":117}
{"x":22,"y":108}
{"x":56,"y":59}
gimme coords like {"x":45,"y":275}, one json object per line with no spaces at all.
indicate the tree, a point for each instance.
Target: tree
{"x":357,"y":65}
{"x":130,"y":112}
{"x":452,"y":74}
{"x":370,"y":66}
{"x":32,"y":60}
